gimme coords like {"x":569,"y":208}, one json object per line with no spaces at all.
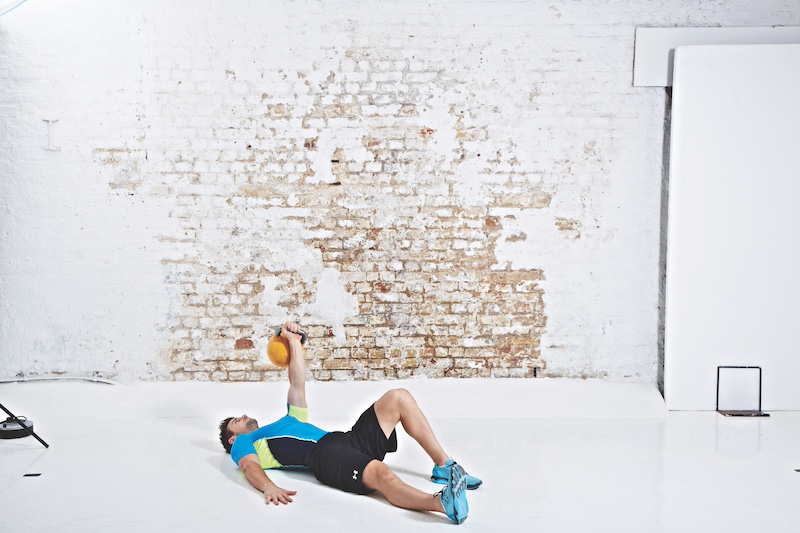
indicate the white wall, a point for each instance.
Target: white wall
{"x":732,"y":285}
{"x":95,"y":237}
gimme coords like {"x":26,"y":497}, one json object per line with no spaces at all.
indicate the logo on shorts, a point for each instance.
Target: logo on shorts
{"x":355,"y":474}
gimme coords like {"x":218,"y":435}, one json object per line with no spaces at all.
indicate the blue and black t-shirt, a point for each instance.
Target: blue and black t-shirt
{"x":282,"y":444}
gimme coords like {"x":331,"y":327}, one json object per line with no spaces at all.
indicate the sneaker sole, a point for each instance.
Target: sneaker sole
{"x":459,"y":483}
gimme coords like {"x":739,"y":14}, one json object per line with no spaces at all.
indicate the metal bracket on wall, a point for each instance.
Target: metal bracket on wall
{"x":50,"y":146}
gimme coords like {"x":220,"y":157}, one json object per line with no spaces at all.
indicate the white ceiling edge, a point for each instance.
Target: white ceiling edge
{"x":655,"y":47}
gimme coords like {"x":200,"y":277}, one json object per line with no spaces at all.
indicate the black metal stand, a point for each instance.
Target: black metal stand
{"x":757,"y":412}
{"x":22,"y":425}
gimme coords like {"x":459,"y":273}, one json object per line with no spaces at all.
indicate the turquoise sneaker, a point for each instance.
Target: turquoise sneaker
{"x":454,"y":495}
{"x":441,"y":474}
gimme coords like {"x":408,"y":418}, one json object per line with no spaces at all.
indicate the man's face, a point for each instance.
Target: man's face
{"x":242,"y":424}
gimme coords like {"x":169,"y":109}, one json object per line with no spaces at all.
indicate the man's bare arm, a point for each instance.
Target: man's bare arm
{"x":297,"y":366}
{"x":251,"y":467}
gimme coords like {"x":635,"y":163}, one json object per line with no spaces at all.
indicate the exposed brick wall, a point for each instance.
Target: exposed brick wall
{"x":430,"y":297}
{"x":436,"y":189}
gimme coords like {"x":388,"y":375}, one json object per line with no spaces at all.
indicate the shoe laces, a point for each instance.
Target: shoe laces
{"x":441,"y":496}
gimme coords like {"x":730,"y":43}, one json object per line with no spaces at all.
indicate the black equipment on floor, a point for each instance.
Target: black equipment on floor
{"x":15,"y":427}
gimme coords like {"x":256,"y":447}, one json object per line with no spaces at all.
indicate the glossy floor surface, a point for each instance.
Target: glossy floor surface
{"x":555,"y":456}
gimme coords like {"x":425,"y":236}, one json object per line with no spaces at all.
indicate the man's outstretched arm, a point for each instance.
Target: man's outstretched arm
{"x":258,"y":479}
{"x":297,"y":366}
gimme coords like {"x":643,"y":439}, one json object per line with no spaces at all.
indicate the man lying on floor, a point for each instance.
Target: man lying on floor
{"x":351,"y":461}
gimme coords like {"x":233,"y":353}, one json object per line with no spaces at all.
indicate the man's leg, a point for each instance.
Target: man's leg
{"x":451,"y":500}
{"x":338,"y":462}
{"x":399,"y":406}
{"x":378,"y":476}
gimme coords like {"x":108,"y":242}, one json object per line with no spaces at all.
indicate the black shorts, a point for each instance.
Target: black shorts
{"x":339,"y":459}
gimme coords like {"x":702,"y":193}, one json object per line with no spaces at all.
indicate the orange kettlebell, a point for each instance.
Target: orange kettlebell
{"x":278,"y":348}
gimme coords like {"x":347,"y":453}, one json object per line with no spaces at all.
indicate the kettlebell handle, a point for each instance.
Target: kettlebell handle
{"x":302,"y":334}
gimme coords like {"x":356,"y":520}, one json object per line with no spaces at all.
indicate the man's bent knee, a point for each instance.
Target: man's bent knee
{"x":377,"y":475}
{"x":398,"y":396}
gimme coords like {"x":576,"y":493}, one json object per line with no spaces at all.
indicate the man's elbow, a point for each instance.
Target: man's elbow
{"x":248,"y":463}
{"x":247,"y":467}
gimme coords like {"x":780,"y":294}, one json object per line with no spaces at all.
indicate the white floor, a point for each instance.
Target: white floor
{"x":555,"y":456}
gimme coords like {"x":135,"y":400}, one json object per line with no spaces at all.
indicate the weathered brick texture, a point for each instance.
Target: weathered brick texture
{"x":466,"y":189}
{"x":419,"y":259}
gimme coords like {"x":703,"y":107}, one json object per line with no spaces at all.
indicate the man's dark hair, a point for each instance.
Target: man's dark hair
{"x":224,"y":434}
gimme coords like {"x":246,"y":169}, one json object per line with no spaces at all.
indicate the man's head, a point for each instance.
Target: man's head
{"x":232,"y":427}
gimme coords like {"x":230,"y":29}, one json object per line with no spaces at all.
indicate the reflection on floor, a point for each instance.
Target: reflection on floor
{"x":555,"y":456}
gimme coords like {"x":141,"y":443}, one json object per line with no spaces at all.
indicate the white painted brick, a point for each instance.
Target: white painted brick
{"x":420,"y":77}
{"x":165,"y":197}
{"x":356,"y":77}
